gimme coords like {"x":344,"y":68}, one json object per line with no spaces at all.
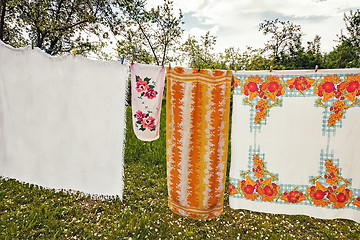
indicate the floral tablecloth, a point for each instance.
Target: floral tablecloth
{"x":295,"y":143}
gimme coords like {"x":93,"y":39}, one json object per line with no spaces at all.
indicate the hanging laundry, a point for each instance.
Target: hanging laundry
{"x":294,"y":143}
{"x":147,"y":86}
{"x":197,"y":116}
{"x":62,"y":121}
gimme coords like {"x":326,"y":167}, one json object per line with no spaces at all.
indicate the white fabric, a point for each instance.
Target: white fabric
{"x":294,"y":144}
{"x":62,"y":121}
{"x":147,"y":85}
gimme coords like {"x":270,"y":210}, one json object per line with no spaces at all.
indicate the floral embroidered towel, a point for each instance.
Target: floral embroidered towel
{"x":62,"y":121}
{"x":197,"y":117}
{"x":295,"y":143}
{"x":147,"y":85}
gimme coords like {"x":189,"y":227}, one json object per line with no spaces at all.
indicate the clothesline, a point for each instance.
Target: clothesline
{"x":56,"y":51}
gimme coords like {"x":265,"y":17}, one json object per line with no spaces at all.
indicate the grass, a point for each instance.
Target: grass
{"x":32,"y":212}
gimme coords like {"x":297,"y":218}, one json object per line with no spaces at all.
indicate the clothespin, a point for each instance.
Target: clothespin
{"x":122,"y":60}
{"x":169,"y":66}
{"x":199,"y":67}
{"x":74,"y":52}
{"x":132,"y":61}
{"x":271,"y":68}
{"x":32,"y":44}
{"x":235,"y":68}
{"x":316,"y":68}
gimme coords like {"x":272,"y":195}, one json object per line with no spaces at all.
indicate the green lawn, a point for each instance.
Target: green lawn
{"x":28,"y":212}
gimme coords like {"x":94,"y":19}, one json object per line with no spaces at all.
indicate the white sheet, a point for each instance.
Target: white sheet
{"x":62,"y":121}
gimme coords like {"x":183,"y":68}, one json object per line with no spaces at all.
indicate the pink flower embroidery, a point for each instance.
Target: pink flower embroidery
{"x":141,"y":86}
{"x":151,"y":93}
{"x":140,"y":115}
{"x":148,"y":122}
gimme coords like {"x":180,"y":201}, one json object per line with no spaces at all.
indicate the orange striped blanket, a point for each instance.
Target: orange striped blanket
{"x":198,"y":106}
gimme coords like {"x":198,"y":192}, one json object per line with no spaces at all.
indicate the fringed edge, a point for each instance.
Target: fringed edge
{"x":97,"y":197}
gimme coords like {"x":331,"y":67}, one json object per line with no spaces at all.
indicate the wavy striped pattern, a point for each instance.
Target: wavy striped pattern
{"x":198,"y":106}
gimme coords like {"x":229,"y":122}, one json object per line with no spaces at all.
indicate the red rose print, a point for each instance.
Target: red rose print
{"x":148,"y":122}
{"x":140,"y":115}
{"x":141,"y":86}
{"x":151,"y":93}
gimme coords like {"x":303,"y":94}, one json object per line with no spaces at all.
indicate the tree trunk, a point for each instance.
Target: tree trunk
{"x":52,"y":46}
{"x":341,"y":55}
{"x":2,"y":19}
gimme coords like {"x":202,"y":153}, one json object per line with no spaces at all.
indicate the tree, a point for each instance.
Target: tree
{"x":198,"y":54}
{"x":254,"y":59}
{"x":347,"y":53}
{"x":232,"y":59}
{"x":148,"y":34}
{"x":51,"y":23}
{"x":10,"y":25}
{"x":352,"y":23}
{"x":284,"y":37}
{"x":313,"y":53}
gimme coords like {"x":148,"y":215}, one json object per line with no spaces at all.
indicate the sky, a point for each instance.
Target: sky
{"x":235,"y":23}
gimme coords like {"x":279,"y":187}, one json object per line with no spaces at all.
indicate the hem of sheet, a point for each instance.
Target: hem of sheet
{"x":273,"y":209}
{"x":196,"y":213}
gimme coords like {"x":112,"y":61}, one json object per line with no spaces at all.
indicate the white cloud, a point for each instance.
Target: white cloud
{"x":198,"y":32}
{"x":236,"y":22}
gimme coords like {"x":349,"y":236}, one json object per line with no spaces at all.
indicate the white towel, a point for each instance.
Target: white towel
{"x":62,"y":121}
{"x":295,"y":138}
{"x":147,"y":85}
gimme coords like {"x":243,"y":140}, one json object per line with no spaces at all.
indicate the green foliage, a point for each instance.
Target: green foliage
{"x":148,"y":35}
{"x":347,"y":53}
{"x":285,"y":36}
{"x":198,"y":54}
{"x":59,"y":24}
{"x":352,"y":23}
{"x":254,"y":59}
{"x":131,"y":47}
{"x":11,"y":27}
{"x":285,"y":47}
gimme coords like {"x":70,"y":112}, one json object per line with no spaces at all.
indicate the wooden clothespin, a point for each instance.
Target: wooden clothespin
{"x":74,"y":52}
{"x":271,"y":68}
{"x":132,"y":61}
{"x":169,"y":65}
{"x":316,"y":68}
{"x":235,"y":68}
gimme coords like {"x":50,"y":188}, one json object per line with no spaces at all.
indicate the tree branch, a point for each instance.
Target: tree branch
{"x":148,"y":40}
{"x":2,"y":20}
